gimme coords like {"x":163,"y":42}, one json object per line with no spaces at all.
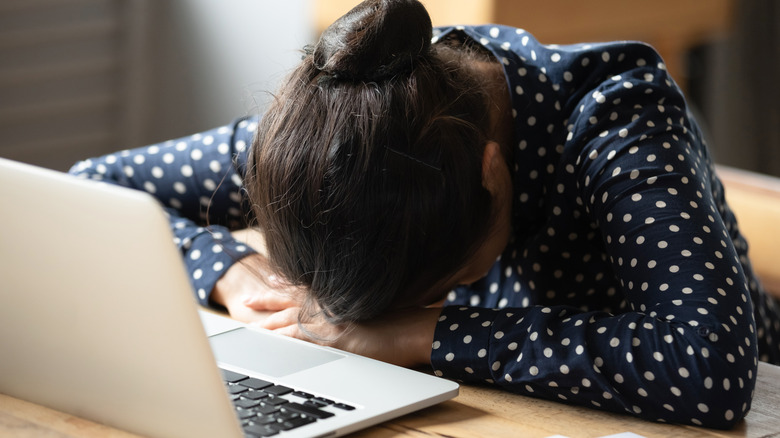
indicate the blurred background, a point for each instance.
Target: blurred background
{"x":81,"y":78}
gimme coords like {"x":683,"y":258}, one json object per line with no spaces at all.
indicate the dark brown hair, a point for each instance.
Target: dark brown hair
{"x":366,"y":173}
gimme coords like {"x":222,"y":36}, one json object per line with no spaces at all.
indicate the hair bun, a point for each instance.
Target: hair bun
{"x":375,"y":40}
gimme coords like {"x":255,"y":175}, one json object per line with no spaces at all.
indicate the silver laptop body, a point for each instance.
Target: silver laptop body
{"x":97,"y":319}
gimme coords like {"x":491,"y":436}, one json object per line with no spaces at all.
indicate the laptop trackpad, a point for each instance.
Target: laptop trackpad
{"x":267,"y":354}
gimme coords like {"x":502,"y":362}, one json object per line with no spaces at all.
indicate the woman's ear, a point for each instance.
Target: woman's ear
{"x":493,"y":167}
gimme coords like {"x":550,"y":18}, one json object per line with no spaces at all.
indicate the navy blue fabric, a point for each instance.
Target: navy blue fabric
{"x":198,"y":179}
{"x":626,"y":284}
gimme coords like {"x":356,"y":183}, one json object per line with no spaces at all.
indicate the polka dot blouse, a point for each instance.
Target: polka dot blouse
{"x":626,"y":284}
{"x":198,"y":179}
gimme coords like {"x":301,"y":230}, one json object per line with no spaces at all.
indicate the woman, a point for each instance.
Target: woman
{"x":560,"y":199}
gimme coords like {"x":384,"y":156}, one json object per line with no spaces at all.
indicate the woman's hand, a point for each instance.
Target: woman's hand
{"x":250,"y":293}
{"x":403,"y":337}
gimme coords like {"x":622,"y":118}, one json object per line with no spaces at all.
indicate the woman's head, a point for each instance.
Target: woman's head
{"x":366,"y":172}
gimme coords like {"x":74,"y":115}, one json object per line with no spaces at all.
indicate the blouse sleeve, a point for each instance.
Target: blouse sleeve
{"x":198,"y":180}
{"x":685,"y":349}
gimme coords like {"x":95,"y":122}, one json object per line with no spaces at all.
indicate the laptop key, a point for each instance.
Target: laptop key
{"x":246,"y":403}
{"x":297,"y":422}
{"x":261,"y":430}
{"x":254,"y":395}
{"x":314,"y":404}
{"x":277,"y":390}
{"x":264,"y":419}
{"x":283,"y":415}
{"x":327,"y":401}
{"x":236,"y":389}
{"x":307,"y":410}
{"x":232,"y":376}
{"x":265,"y":409}
{"x":344,"y":406}
{"x":274,"y":401}
{"x":245,"y":414}
{"x":255,"y":383}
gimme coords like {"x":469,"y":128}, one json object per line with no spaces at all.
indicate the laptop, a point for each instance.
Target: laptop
{"x":97,"y":319}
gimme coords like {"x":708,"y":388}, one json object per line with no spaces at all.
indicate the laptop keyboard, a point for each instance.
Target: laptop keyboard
{"x":267,"y":409}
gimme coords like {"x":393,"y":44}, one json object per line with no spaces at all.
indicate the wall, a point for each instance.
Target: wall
{"x":739,"y":93}
{"x":60,"y":87}
{"x":85,"y":77}
{"x":80,"y":78}
{"x":216,"y":60}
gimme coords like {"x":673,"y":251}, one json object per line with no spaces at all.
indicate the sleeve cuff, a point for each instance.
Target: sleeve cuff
{"x":208,"y":255}
{"x":461,"y":342}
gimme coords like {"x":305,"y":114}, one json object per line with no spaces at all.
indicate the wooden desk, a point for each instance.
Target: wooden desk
{"x":476,"y":412}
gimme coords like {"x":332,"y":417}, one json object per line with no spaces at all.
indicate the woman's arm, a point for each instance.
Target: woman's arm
{"x":198,"y":179}
{"x":685,"y":348}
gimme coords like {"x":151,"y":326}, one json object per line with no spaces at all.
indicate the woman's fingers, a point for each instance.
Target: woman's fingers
{"x":271,"y":299}
{"x":292,"y":331}
{"x":250,"y":316}
{"x":286,"y":322}
{"x":281,"y":319}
